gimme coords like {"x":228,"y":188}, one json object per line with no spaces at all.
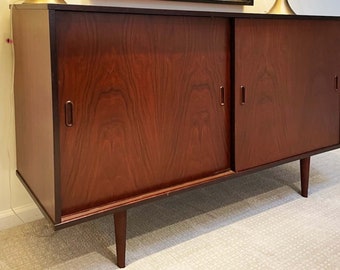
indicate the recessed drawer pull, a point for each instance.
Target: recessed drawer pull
{"x":243,"y":94}
{"x":222,"y":95}
{"x":69,"y":113}
{"x":336,"y":79}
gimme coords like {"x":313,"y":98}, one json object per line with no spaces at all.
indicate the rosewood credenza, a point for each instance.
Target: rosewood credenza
{"x":117,"y":106}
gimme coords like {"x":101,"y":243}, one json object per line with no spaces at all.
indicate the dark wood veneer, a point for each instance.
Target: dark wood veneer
{"x":150,"y":93}
{"x":289,"y":80}
{"x":156,"y":104}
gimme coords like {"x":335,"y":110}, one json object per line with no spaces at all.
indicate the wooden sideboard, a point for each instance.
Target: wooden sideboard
{"x":117,"y":106}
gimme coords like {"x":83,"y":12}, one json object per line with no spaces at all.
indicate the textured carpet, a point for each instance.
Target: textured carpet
{"x":253,"y":222}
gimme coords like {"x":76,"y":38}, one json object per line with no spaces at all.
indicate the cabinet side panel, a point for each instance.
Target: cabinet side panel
{"x":33,"y":105}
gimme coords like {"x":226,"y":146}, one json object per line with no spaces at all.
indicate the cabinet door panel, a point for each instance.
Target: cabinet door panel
{"x":146,"y":95}
{"x":287,"y":68}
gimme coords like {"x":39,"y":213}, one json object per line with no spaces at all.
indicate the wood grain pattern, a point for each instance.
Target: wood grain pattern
{"x":146,"y":95}
{"x":288,"y":69}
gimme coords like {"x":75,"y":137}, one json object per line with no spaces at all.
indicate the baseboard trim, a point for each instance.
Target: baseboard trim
{"x":19,"y":215}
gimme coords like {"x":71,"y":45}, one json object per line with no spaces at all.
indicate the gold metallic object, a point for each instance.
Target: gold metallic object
{"x":281,"y":7}
{"x":44,"y":2}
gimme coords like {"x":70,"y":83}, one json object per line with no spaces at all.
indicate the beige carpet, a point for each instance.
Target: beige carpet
{"x":253,"y":222}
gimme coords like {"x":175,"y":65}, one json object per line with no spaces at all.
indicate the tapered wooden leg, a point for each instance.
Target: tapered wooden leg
{"x":304,"y":171}
{"x":120,"y":232}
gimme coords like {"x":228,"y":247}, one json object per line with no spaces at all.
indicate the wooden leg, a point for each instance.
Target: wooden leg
{"x":304,"y":171}
{"x":120,"y":232}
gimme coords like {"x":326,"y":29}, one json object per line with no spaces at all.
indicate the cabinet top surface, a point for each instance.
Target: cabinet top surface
{"x":156,"y":11}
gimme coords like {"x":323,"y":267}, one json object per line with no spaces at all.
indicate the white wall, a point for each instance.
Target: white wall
{"x":16,"y":206}
{"x":5,"y":92}
{"x":316,"y":7}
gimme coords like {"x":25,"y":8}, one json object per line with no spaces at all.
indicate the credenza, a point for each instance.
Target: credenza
{"x":118,"y":106}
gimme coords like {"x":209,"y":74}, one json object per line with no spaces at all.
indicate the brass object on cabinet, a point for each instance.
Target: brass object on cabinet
{"x":281,"y":7}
